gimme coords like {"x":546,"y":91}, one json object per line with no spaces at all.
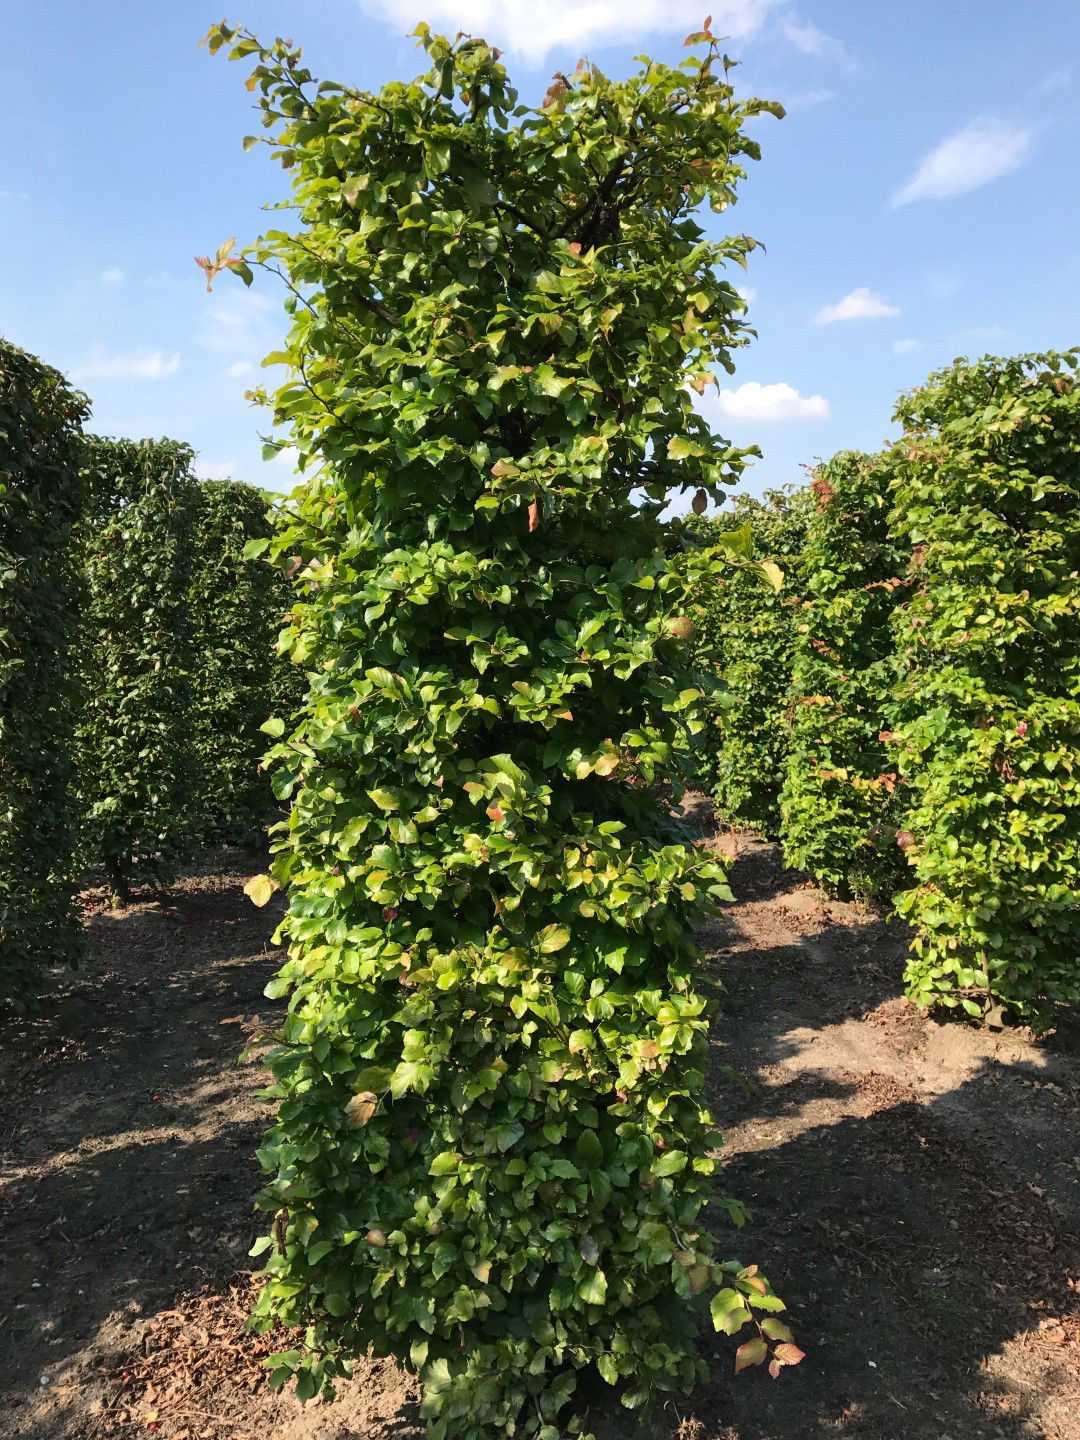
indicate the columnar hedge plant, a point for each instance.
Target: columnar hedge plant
{"x":987,"y":490}
{"x":746,"y":638}
{"x":492,"y":1155}
{"x":138,"y":773}
{"x":237,"y":603}
{"x":40,"y":503}
{"x":841,"y":802}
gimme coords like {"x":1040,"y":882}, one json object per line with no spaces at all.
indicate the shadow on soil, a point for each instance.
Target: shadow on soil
{"x":916,"y":1241}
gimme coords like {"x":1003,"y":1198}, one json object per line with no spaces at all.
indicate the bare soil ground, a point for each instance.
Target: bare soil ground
{"x":915,"y":1188}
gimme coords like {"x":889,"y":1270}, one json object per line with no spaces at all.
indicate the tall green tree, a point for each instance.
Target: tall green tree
{"x":987,"y":492}
{"x":41,"y":496}
{"x":138,"y":773}
{"x":492,"y":1154}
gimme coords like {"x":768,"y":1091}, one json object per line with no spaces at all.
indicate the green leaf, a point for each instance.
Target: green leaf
{"x":445,"y":1163}
{"x":384,"y":799}
{"x":593,"y":1287}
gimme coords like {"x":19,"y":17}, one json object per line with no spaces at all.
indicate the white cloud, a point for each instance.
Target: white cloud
{"x":806,"y":37}
{"x":534,"y":27}
{"x":112,"y":277}
{"x":764,"y":404}
{"x":138,"y":365}
{"x":860,"y":304}
{"x":980,"y":152}
{"x":240,"y":370}
{"x":287,"y":457}
{"x":906,"y":347}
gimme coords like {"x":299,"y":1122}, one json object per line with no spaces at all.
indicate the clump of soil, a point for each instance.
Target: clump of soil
{"x":915,"y":1188}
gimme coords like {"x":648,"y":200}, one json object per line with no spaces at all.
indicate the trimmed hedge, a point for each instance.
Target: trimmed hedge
{"x":237,"y":604}
{"x":41,"y":497}
{"x":492,"y":1154}
{"x":138,"y":767}
{"x":746,"y":639}
{"x":840,"y":803}
{"x":987,"y":491}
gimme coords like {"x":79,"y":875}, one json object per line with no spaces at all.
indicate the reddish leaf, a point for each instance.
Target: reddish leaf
{"x":789,"y":1354}
{"x":752,"y":1353}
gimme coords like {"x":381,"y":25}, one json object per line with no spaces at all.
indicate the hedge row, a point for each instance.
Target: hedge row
{"x":745,"y":638}
{"x":933,"y":688}
{"x":41,"y":497}
{"x":180,"y":667}
{"x":138,"y":786}
{"x":137,"y":663}
{"x":238,"y":607}
{"x":986,"y":490}
{"x":840,"y":796}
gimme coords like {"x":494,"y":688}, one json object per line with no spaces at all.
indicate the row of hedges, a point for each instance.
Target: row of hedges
{"x":138,"y":786}
{"x":137,"y":663}
{"x":839,"y":799}
{"x":933,"y":691}
{"x":744,"y":635}
{"x":987,"y":492}
{"x":41,"y":499}
{"x":180,"y":670}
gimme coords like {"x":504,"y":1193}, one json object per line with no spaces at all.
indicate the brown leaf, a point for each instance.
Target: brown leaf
{"x":534,"y":517}
{"x":699,"y":503}
{"x":360,"y":1109}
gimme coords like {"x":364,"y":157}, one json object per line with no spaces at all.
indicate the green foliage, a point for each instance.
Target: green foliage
{"x":840,"y":802}
{"x":987,"y":490}
{"x":745,"y":637}
{"x":138,"y":775}
{"x":237,"y":604}
{"x":40,"y":501}
{"x":492,"y":1155}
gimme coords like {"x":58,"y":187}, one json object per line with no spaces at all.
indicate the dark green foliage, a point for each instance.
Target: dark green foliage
{"x":745,"y":637}
{"x":987,"y":490}
{"x":492,"y":1155}
{"x":40,"y":502}
{"x":237,"y":606}
{"x":840,"y":802}
{"x":138,"y":774}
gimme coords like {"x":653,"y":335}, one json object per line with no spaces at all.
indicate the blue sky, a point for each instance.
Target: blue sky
{"x":919,"y":202}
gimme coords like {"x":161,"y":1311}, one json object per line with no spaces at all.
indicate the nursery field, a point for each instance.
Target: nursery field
{"x":915,"y":1184}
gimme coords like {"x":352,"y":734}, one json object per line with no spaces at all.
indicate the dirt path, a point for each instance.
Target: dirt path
{"x":915,"y":1189}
